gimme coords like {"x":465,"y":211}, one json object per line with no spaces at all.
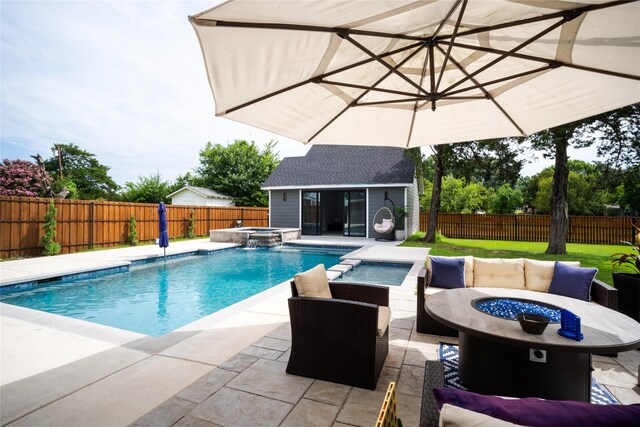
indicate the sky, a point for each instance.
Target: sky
{"x":124,"y":80}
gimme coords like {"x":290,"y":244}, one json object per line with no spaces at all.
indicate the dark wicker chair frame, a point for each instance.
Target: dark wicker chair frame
{"x":433,"y":377}
{"x":336,"y":339}
{"x":601,"y":293}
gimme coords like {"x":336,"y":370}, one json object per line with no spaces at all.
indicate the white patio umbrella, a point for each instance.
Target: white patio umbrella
{"x":412,"y":73}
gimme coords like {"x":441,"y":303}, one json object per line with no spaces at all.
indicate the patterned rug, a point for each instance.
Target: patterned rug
{"x":449,"y":356}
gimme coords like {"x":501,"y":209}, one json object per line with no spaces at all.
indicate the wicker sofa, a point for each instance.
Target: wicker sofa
{"x":527,"y":274}
{"x":337,"y":339}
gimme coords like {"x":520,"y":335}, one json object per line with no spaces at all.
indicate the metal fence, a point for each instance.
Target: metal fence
{"x":84,"y":224}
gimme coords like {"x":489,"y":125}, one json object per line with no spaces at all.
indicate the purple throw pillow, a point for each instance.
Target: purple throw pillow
{"x":570,"y":281}
{"x":531,"y":411}
{"x":447,"y":272}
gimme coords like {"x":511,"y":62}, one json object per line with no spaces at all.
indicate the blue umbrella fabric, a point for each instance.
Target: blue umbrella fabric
{"x":163,"y":241}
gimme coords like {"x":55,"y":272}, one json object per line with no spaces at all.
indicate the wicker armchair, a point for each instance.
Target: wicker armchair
{"x":335,"y":339}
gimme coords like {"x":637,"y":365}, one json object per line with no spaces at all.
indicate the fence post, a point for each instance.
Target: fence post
{"x":516,"y":227}
{"x":92,"y":225}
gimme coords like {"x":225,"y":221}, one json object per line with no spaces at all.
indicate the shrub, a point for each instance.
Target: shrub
{"x":132,"y":237}
{"x":49,"y":245}
{"x":191,"y":227}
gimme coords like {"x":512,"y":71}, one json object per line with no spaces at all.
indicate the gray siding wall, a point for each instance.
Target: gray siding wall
{"x":376,"y":201}
{"x":285,"y":214}
{"x":413,"y":206}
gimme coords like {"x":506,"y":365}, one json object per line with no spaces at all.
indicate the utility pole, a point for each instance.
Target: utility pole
{"x":57,"y":151}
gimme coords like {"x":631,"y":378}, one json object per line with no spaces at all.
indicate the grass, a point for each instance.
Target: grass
{"x":597,"y":256}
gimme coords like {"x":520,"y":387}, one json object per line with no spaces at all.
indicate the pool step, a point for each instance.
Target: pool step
{"x":342,"y":268}
{"x":352,"y":262}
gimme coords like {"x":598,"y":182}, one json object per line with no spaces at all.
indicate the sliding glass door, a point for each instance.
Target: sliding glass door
{"x":311,"y":213}
{"x":355,"y":213}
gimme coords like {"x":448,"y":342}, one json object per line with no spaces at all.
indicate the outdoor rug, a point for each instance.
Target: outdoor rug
{"x":448,"y":354}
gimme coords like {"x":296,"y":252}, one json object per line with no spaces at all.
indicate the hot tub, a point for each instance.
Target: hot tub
{"x":263,"y":236}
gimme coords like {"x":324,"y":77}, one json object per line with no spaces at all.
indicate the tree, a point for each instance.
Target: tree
{"x":506,"y":199}
{"x":151,"y":189}
{"x":460,"y":197}
{"x":81,"y":167}
{"x":238,"y":170}
{"x":23,"y":178}
{"x":49,"y":245}
{"x":556,"y":141}
{"x":617,"y":134}
{"x":631,"y":191}
{"x":491,"y":162}
{"x":441,"y":153}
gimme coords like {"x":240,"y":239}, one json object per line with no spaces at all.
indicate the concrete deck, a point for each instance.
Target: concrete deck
{"x":227,"y":369}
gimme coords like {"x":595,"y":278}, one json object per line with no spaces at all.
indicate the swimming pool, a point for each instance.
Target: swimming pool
{"x":156,"y":298}
{"x":390,"y":274}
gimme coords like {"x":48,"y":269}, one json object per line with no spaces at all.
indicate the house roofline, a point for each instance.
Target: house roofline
{"x":336,"y":186}
{"x":223,"y":197}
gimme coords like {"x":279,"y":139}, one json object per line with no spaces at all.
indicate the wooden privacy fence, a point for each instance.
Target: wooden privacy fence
{"x":533,"y":228}
{"x":85,"y":224}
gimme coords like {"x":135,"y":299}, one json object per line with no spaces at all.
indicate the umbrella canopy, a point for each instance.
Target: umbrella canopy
{"x":412,"y":73}
{"x":163,"y":240}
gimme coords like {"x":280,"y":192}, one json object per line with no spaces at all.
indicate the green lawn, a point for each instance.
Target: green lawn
{"x":589,"y":255}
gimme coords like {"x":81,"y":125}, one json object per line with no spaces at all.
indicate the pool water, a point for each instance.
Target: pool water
{"x":156,"y":298}
{"x":377,"y":273}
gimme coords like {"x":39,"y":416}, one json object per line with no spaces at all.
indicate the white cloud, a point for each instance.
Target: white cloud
{"x":123,"y":80}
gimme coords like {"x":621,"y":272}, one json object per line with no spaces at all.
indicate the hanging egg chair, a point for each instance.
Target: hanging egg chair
{"x":383,"y":222}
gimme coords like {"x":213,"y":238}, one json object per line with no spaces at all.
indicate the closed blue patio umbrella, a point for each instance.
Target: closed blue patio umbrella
{"x":163,"y":240}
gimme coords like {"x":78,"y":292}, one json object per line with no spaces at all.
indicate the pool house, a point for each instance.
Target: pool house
{"x":338,"y":189}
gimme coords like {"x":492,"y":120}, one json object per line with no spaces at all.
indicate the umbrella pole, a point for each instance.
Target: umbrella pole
{"x":165,"y":254}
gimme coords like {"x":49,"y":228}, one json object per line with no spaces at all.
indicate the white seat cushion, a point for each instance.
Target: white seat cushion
{"x":454,"y":416}
{"x":498,"y":273}
{"x":384,"y":317}
{"x":538,"y":274}
{"x":313,"y":283}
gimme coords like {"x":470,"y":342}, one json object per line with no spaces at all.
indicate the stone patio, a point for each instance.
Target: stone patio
{"x":253,"y":389}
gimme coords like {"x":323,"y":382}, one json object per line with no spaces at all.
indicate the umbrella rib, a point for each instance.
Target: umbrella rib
{"x":453,"y":38}
{"x":553,"y":63}
{"x":394,"y":70}
{"x":298,"y":27}
{"x":313,"y":79}
{"x":487,"y":95}
{"x":355,"y":86}
{"x":445,"y":19}
{"x":415,"y":106}
{"x":502,"y":79}
{"x":514,"y":50}
{"x":532,"y":20}
{"x":390,"y":101}
{"x":355,"y":101}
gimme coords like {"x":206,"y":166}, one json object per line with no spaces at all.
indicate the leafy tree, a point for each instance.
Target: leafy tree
{"x":582,"y":197}
{"x":49,"y":245}
{"x":441,"y":155}
{"x":491,"y":162}
{"x":238,"y":170}
{"x":631,"y":190}
{"x":23,"y":178}
{"x":132,"y":236}
{"x":506,"y":199}
{"x":460,"y":197}
{"x":186,"y":180}
{"x":617,"y":135}
{"x":81,"y":167}
{"x":151,"y":189}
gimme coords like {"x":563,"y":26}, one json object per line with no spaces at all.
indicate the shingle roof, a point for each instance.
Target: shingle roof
{"x":344,"y":165}
{"x":206,"y":192}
